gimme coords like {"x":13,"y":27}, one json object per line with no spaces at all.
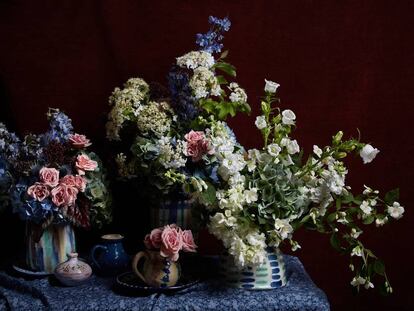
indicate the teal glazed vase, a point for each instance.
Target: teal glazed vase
{"x":109,"y":257}
{"x":270,"y":275}
{"x":46,"y":248}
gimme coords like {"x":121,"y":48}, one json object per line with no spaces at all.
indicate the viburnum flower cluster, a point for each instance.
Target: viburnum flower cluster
{"x":249,"y":199}
{"x":52,"y":178}
{"x":170,"y":240}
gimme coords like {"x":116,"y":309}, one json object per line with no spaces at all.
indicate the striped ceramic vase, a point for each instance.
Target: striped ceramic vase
{"x":172,"y":212}
{"x":45,"y":252}
{"x":271,"y":274}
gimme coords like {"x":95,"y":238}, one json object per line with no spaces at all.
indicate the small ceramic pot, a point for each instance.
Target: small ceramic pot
{"x":157,"y":271}
{"x":73,"y":272}
{"x":109,"y":257}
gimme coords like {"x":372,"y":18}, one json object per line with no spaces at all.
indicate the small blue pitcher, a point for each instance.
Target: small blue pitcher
{"x":109,"y":257}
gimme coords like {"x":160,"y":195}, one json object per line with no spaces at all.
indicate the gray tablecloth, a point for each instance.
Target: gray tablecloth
{"x":300,"y":293}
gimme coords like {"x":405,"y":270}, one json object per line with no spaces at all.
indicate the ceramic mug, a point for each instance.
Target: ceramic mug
{"x":157,"y":271}
{"x":109,"y":257}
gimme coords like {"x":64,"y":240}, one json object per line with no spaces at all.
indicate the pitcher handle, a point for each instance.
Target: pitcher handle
{"x":93,"y":252}
{"x":135,"y":262}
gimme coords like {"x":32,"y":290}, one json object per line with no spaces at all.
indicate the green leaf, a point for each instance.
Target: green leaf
{"x":392,"y":196}
{"x":226,"y":67}
{"x":369,"y":220}
{"x":335,"y":242}
{"x":331,"y":217}
{"x":208,"y":196}
{"x":379,"y":267}
{"x":348,"y":198}
{"x":221,"y":80}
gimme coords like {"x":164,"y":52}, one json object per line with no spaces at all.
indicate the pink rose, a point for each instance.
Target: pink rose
{"x":197,"y":145}
{"x":64,"y":195}
{"x":194,"y":136}
{"x":49,"y":176}
{"x":188,"y":241}
{"x":78,"y":182}
{"x":153,"y":240}
{"x":79,"y":141}
{"x":172,"y":243}
{"x":38,"y":191}
{"x":84,"y":163}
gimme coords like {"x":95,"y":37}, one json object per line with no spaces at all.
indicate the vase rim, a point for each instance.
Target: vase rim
{"x":112,"y":237}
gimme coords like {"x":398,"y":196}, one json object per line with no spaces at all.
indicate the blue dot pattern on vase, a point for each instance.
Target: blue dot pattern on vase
{"x":166,"y":278}
{"x":267,"y":276}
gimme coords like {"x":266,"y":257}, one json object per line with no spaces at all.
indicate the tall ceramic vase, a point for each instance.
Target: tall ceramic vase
{"x":47,"y":248}
{"x":271,"y":274}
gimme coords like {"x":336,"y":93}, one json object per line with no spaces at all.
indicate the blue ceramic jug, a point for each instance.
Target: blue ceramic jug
{"x":109,"y":257}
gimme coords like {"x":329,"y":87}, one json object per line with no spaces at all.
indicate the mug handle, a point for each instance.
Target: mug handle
{"x":93,"y":252}
{"x":135,"y":262}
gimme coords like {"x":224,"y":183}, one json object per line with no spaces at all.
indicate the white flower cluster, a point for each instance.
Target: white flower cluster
{"x":126,"y":104}
{"x":171,"y":156}
{"x":204,"y":82}
{"x":237,"y":95}
{"x":195,"y":59}
{"x":155,"y":117}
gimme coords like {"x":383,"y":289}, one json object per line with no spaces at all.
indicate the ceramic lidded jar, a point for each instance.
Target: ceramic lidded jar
{"x":73,"y":271}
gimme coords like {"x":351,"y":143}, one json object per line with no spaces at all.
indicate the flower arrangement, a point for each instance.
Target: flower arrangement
{"x":249,"y":199}
{"x":170,"y":240}
{"x":52,"y":177}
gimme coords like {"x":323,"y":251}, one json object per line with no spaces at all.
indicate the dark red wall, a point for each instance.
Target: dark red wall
{"x":341,"y":65}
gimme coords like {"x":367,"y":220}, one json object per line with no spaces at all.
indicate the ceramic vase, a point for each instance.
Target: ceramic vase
{"x":73,"y":272}
{"x":46,"y":248}
{"x":174,"y":211}
{"x":271,"y":274}
{"x":109,"y":257}
{"x":157,"y":271}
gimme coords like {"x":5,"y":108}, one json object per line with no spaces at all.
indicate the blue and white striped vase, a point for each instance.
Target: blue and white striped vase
{"x":270,"y":275}
{"x":172,"y":212}
{"x":48,"y":248}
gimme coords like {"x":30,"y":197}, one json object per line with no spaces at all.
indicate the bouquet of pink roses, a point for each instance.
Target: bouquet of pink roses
{"x":170,"y":240}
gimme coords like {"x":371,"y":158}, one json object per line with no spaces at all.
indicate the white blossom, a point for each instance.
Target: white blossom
{"x":357,"y":251}
{"x":250,"y":195}
{"x":366,"y":207}
{"x":288,"y":117}
{"x":274,"y":149}
{"x":379,"y":222}
{"x":260,"y":122}
{"x":355,"y":233}
{"x":318,"y":151}
{"x":357,"y":281}
{"x":396,"y":211}
{"x":368,"y":153}
{"x":195,"y":59}
{"x":271,"y":86}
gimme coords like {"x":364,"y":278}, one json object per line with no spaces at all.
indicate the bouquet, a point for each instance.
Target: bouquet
{"x":52,"y":178}
{"x":170,"y":240}
{"x":249,"y":199}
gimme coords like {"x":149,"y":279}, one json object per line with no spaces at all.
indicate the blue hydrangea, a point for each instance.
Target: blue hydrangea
{"x":211,"y":41}
{"x":60,"y":127}
{"x":183,"y":101}
{"x":9,"y":144}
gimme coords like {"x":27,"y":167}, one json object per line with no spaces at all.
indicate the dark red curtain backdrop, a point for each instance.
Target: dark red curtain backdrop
{"x":341,"y":65}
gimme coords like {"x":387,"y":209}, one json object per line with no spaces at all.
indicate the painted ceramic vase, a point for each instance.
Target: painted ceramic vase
{"x":175,"y":211}
{"x":73,"y":272}
{"x":46,"y":248}
{"x":271,"y":274}
{"x":157,"y":271}
{"x":109,"y":257}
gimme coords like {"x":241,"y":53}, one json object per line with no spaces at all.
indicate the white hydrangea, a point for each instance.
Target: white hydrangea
{"x":237,"y":93}
{"x":203,"y":82}
{"x":195,"y":59}
{"x":156,"y":118}
{"x":231,"y":164}
{"x":171,"y":156}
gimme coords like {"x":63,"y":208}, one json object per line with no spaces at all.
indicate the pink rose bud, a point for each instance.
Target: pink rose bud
{"x":197,"y":145}
{"x":49,"y":176}
{"x":188,"y":241}
{"x":84,"y":163}
{"x":155,"y":237}
{"x":38,"y":191}
{"x":194,"y":136}
{"x":79,"y":141}
{"x":171,"y":244}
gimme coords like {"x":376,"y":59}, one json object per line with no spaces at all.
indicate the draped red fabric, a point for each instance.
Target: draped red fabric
{"x":341,"y":64}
